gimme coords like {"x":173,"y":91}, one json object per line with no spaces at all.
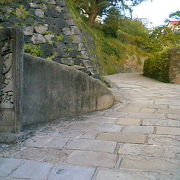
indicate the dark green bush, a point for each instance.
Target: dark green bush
{"x":109,"y":31}
{"x":157,"y":67}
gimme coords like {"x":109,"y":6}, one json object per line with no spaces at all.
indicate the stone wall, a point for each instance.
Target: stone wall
{"x":34,"y":90}
{"x":48,"y":26}
{"x":11,"y":51}
{"x":52,"y":91}
{"x":174,"y":71}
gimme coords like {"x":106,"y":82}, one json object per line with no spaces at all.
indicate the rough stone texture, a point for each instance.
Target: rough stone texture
{"x":128,"y":122}
{"x":85,"y":147}
{"x":116,"y":175}
{"x":32,"y":170}
{"x":38,"y":39}
{"x":92,"y":159}
{"x":11,"y":67}
{"x":150,"y":150}
{"x":7,"y":166}
{"x":109,"y":128}
{"x":52,"y":91}
{"x":122,"y":137}
{"x":174,"y":116}
{"x":52,"y":18}
{"x":151,"y":164}
{"x":92,"y":145}
{"x":65,"y":172}
{"x":49,"y":142}
{"x":168,"y":130}
{"x":138,"y":129}
{"x":36,"y":90}
{"x":167,"y":140}
{"x":174,"y":71}
{"x":168,"y":123}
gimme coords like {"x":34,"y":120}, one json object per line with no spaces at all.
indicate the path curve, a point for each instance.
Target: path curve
{"x":137,"y":139}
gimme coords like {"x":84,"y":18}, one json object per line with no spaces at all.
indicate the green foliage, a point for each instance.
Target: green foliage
{"x":34,"y":50}
{"x":22,"y":13}
{"x":133,"y":32}
{"x":161,"y":40}
{"x":50,"y":58}
{"x":111,"y":23}
{"x":120,"y":37}
{"x":93,"y":8}
{"x":162,"y":37}
{"x":111,"y":48}
{"x":48,"y":33}
{"x":175,"y":15}
{"x":59,"y":37}
{"x":157,"y":67}
{"x":13,"y":13}
{"x":128,"y":31}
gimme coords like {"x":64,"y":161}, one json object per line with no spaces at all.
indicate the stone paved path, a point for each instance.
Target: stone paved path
{"x":137,"y":139}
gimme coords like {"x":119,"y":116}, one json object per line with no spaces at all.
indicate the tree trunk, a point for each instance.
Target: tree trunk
{"x":92,"y":18}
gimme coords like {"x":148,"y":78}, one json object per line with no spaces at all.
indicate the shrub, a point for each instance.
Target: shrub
{"x":157,"y":67}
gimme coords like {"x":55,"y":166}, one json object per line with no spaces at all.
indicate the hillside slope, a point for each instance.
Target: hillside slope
{"x":123,"y":53}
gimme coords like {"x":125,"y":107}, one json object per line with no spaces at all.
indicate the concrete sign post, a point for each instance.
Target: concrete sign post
{"x":11,"y":69}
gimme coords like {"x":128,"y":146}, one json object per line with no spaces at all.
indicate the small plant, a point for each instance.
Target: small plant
{"x":51,"y":43}
{"x":50,"y":58}
{"x":59,"y":37}
{"x":48,"y":33}
{"x":69,"y":50}
{"x":34,"y":50}
{"x":66,"y":55}
{"x":22,"y":13}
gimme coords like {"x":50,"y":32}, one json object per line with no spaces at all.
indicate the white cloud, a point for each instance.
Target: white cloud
{"x":157,"y":10}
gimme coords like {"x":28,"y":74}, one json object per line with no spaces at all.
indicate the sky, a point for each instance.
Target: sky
{"x":156,"y":11}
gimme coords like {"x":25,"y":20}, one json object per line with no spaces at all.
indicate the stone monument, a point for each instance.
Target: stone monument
{"x":11,"y":69}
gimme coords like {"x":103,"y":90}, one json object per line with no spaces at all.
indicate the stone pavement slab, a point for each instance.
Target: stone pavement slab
{"x":146,"y":115}
{"x":89,"y":135}
{"x":168,"y":130}
{"x":136,"y":138}
{"x":109,"y":128}
{"x":155,"y":122}
{"x":83,"y":125}
{"x":125,"y":121}
{"x":150,"y":150}
{"x":92,"y":145}
{"x":151,"y":164}
{"x":65,"y":172}
{"x":43,"y":154}
{"x":166,"y":140}
{"x":32,"y":170}
{"x":7,"y":166}
{"x":92,"y":159}
{"x":47,"y":141}
{"x":174,"y":116}
{"x":118,"y":175}
{"x":69,"y":133}
{"x":138,"y":129}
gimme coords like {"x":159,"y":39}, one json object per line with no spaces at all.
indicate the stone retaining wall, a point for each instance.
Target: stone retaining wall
{"x":52,"y":90}
{"x":49,"y":26}
{"x":34,"y":90}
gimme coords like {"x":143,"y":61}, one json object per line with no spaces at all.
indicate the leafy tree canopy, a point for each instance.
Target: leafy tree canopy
{"x":175,"y":15}
{"x":93,"y":8}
